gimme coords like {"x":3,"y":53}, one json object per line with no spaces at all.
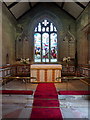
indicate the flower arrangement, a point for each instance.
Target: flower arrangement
{"x":25,"y":61}
{"x":67,"y":60}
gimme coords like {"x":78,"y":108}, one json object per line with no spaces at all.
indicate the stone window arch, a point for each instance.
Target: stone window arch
{"x":45,"y":42}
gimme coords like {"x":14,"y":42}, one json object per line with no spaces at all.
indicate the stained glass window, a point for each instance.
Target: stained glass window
{"x":37,"y":42}
{"x":45,"y":47}
{"x":45,"y":42}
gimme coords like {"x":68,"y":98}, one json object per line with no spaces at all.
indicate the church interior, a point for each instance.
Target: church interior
{"x":44,"y":60}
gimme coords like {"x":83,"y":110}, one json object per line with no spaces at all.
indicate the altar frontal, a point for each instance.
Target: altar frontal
{"x":46,"y":72}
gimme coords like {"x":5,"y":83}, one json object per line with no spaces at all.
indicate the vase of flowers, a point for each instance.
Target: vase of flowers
{"x":25,"y":61}
{"x":66,"y":60}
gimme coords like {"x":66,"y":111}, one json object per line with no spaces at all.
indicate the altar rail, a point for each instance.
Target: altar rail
{"x":24,"y":70}
{"x":66,"y":79}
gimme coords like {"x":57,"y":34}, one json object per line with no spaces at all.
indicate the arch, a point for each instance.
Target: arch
{"x":39,"y":17}
{"x":45,"y":42}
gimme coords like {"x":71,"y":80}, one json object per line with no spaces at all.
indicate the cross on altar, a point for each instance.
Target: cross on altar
{"x":45,"y":22}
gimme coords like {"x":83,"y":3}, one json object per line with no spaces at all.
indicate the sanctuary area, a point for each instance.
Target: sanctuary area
{"x":44,"y":60}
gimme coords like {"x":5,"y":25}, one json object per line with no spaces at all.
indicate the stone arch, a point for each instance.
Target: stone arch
{"x":38,"y":18}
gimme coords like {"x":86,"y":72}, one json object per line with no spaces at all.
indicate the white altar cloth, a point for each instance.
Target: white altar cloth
{"x":46,"y":72}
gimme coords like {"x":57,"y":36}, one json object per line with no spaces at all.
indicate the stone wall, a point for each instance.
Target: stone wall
{"x":25,"y":45}
{"x":21,"y":33}
{"x":0,"y":55}
{"x":8,"y":36}
{"x":83,"y":33}
{"x":50,"y":11}
{"x":0,"y":33}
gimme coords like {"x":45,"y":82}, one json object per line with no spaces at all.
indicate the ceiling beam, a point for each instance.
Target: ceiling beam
{"x":62,"y":5}
{"x":9,"y":10}
{"x":23,"y":14}
{"x":81,"y":5}
{"x":30,"y":10}
{"x":65,"y":11}
{"x":82,"y":11}
{"x":30,"y":4}
{"x":13,"y":4}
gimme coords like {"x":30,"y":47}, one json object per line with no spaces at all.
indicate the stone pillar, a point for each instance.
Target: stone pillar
{"x":89,"y":51}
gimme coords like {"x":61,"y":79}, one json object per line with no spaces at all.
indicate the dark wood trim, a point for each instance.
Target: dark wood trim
{"x":65,"y":11}
{"x":45,"y":77}
{"x":10,"y":11}
{"x":13,"y":4}
{"x":30,"y":5}
{"x":83,"y":11}
{"x":62,"y":5}
{"x":13,"y":65}
{"x":80,"y":14}
{"x":53,"y":75}
{"x":23,"y":14}
{"x":38,"y":75}
{"x":30,"y":10}
{"x":81,"y":5}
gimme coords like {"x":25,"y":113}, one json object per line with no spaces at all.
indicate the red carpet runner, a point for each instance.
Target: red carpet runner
{"x":74,"y":92}
{"x":18,"y":92}
{"x":46,"y":96}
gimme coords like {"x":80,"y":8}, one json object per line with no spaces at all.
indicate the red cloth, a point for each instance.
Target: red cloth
{"x":46,"y":114}
{"x":46,"y":90}
{"x":48,"y":103}
{"x":24,"y":92}
{"x":46,"y":96}
{"x":74,"y":92}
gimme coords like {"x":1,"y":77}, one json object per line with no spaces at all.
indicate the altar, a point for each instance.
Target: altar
{"x":46,"y":72}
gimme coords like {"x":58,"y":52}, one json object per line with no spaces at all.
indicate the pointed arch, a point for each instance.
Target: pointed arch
{"x":39,"y":17}
{"x":45,"y":42}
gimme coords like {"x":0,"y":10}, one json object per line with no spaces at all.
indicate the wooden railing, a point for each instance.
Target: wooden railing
{"x":23,"y":70}
{"x":66,"y":79}
{"x":15,"y":70}
{"x":84,"y":70}
{"x":70,"y":70}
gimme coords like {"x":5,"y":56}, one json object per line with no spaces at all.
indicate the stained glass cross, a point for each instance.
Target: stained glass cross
{"x":45,"y":22}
